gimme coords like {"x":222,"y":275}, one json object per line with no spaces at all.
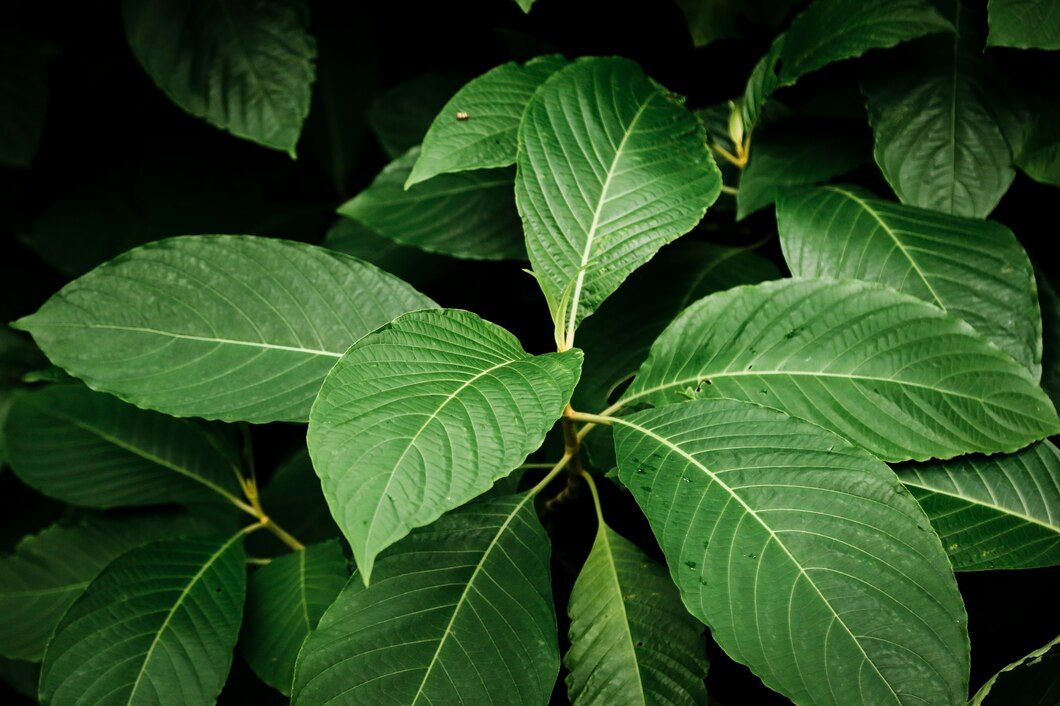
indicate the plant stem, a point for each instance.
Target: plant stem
{"x":731,"y":190}
{"x":556,"y":468}
{"x":250,"y":490}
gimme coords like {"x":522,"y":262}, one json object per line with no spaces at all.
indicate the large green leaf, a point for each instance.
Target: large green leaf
{"x":891,"y":373}
{"x":94,"y":450}
{"x":1031,"y":681}
{"x":49,"y":571}
{"x":611,"y":168}
{"x":23,"y":98}
{"x":993,"y":512}
{"x":424,"y":415}
{"x":632,"y":640}
{"x":468,"y":214}
{"x":223,"y":327}
{"x":401,"y":116}
{"x":284,"y":602}
{"x":1026,"y":24}
{"x":478,"y":127}
{"x":244,"y":65}
{"x":458,"y":613}
{"x":802,"y":554}
{"x":974,"y":269}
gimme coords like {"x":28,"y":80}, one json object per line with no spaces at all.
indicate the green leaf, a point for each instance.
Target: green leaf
{"x":424,"y":415}
{"x":1031,"y":681}
{"x":94,"y":450}
{"x":1050,"y":302}
{"x":49,"y":571}
{"x":478,"y":127}
{"x":284,"y":602}
{"x":611,"y":168}
{"x":157,"y":626}
{"x":468,"y":214}
{"x":1039,"y":155}
{"x":976,"y":270}
{"x":222,"y":327}
{"x":23,"y":99}
{"x":413,"y":265}
{"x":244,"y":65}
{"x":802,"y":553}
{"x":460,"y":612}
{"x":1025,"y":24}
{"x":294,"y":499}
{"x":632,"y":640}
{"x":939,"y":140}
{"x":993,"y":512}
{"x":711,"y":20}
{"x":525,"y":5}
{"x":401,"y":116}
{"x":891,"y":373}
{"x":21,"y":676}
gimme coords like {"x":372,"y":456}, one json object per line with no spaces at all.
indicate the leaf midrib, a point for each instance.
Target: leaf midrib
{"x":1008,"y":512}
{"x":620,"y":600}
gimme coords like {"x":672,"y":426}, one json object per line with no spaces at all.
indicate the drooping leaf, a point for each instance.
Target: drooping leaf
{"x":993,"y":512}
{"x":93,"y":450}
{"x":478,"y":127}
{"x":468,"y":214}
{"x":23,"y":98}
{"x":49,"y":571}
{"x":401,"y":116}
{"x":1025,"y":24}
{"x":424,"y":415}
{"x":891,"y":373}
{"x":458,"y":612}
{"x":611,"y":168}
{"x":1031,"y":681}
{"x":245,"y":66}
{"x":801,"y":552}
{"x":284,"y":602}
{"x":976,"y":270}
{"x":222,"y":327}
{"x":294,"y":499}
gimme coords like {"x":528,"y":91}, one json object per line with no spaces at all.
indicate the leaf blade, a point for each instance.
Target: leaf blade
{"x":1025,"y":24}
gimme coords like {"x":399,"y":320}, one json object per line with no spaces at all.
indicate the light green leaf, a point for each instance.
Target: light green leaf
{"x":891,"y":373}
{"x":401,"y":116}
{"x":802,"y":553}
{"x":94,"y":450}
{"x":157,"y":626}
{"x":1031,"y":681}
{"x":1025,"y":24}
{"x":468,"y":214}
{"x":424,"y":415}
{"x":525,"y":5}
{"x":49,"y":571}
{"x":284,"y":602}
{"x":632,"y":640}
{"x":244,"y":65}
{"x":976,"y":270}
{"x":993,"y":512}
{"x":23,"y":98}
{"x":460,"y":612}
{"x":478,"y":127}
{"x":611,"y":168}
{"x":222,"y":327}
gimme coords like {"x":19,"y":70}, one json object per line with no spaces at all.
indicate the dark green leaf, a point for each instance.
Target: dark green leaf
{"x":418,"y":267}
{"x":1031,"y":681}
{"x":294,"y":499}
{"x":711,"y":20}
{"x":23,"y":98}
{"x":1026,"y":24}
{"x":401,"y":116}
{"x":1050,"y":302}
{"x":1039,"y":155}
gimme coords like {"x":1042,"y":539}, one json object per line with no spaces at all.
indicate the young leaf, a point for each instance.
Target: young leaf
{"x":424,"y":415}
{"x":1031,"y":681}
{"x":802,"y":554}
{"x":976,"y":270}
{"x":222,"y":327}
{"x":478,"y":127}
{"x":459,"y":612}
{"x":891,"y":373}
{"x":610,"y":169}
{"x":993,"y":512}
{"x":284,"y":602}
{"x":1025,"y":24}
{"x":244,"y":65}
{"x":468,"y":214}
{"x":94,"y":450}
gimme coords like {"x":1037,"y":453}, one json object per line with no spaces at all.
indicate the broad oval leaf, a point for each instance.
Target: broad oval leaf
{"x":469,"y":214}
{"x":976,"y":270}
{"x":94,"y":450}
{"x":610,"y":168}
{"x":158,"y":626}
{"x":993,"y":512}
{"x":478,"y":128}
{"x":891,"y":373}
{"x":1026,"y":24}
{"x":802,"y":553}
{"x":229,"y":327}
{"x":244,"y":65}
{"x":424,"y":415}
{"x":459,"y":612}
{"x":284,"y":602}
{"x":1033,"y":680}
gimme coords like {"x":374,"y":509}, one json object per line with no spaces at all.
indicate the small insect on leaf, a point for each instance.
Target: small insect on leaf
{"x":462,"y":115}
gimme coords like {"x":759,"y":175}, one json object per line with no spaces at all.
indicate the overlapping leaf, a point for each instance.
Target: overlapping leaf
{"x":801,"y":552}
{"x":1031,"y":681}
{"x":294,"y":499}
{"x":222,"y":327}
{"x":401,"y":116}
{"x":1026,"y":24}
{"x":424,"y":415}
{"x":458,"y":612}
{"x":712,"y":20}
{"x":891,"y":373}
